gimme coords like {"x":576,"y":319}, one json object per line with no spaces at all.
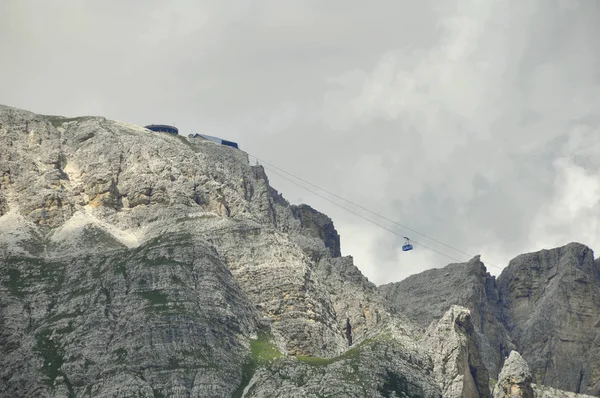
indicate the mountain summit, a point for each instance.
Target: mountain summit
{"x":137,"y":263}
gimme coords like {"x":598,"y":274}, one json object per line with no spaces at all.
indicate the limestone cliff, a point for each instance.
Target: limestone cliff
{"x":551,"y":302}
{"x":138,"y":263}
{"x":515,"y":379}
{"x":142,"y":264}
{"x":516,"y":382}
{"x":546,"y":305}
{"x":455,"y":349}
{"x":425,"y":298}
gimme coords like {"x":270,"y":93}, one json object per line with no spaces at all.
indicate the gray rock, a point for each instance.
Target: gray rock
{"x":515,"y":379}
{"x":390,"y":365}
{"x":455,"y":349}
{"x":552,"y":306}
{"x":137,"y":263}
{"x":540,"y":391}
{"x":426,"y":297}
{"x":318,"y":225}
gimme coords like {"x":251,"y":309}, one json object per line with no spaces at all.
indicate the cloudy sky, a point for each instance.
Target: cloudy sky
{"x":472,"y":122}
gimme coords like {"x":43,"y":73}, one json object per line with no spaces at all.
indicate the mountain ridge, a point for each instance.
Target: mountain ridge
{"x":138,"y":263}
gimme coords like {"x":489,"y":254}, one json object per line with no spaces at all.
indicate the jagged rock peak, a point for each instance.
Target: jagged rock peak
{"x":140,"y":263}
{"x":515,"y":379}
{"x":551,"y":304}
{"x":425,"y":298}
{"x":318,"y":225}
{"x":455,"y":350}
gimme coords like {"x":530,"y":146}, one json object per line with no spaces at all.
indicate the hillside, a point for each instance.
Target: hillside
{"x":142,"y":264}
{"x":545,"y":305}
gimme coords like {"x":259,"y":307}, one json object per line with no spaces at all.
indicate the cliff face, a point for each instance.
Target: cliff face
{"x":552,"y":304}
{"x":546,"y":305}
{"x":455,"y":349}
{"x":142,"y":264}
{"x":136,"y":263}
{"x":425,"y":297}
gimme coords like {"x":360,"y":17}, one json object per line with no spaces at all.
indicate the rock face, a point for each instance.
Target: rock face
{"x":426,"y":297}
{"x":318,"y":225}
{"x":455,"y":349}
{"x":546,"y":305}
{"x":137,"y":263}
{"x":142,"y":264}
{"x":515,"y":379}
{"x":390,"y":365}
{"x":552,"y":307}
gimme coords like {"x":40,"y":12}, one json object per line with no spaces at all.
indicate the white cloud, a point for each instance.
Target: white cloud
{"x":447,"y":116}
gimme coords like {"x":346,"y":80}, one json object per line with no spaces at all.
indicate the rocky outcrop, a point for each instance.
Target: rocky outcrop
{"x":391,"y":365}
{"x":540,"y":391}
{"x":515,"y":379}
{"x":551,"y":302}
{"x":545,"y":304}
{"x":356,"y":301}
{"x":318,"y":225}
{"x":137,"y":263}
{"x":426,"y":297}
{"x":455,"y":350}
{"x":166,"y":316}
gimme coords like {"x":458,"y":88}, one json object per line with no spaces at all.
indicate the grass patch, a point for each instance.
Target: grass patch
{"x":51,"y":353}
{"x":352,"y":353}
{"x":262,"y":352}
{"x":15,"y":283}
{"x":121,"y":355}
{"x":154,"y":297}
{"x":397,"y":384}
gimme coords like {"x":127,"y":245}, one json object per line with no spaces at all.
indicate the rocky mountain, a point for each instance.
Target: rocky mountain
{"x":551,"y":301}
{"x":545,"y":305}
{"x":135,"y":263}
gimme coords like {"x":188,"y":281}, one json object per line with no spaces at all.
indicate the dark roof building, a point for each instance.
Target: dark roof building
{"x":163,"y":128}
{"x":217,"y":140}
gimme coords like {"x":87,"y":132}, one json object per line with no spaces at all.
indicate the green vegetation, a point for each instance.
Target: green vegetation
{"x":15,"y":283}
{"x":397,"y":384}
{"x":352,"y":353}
{"x":317,"y":361}
{"x":154,"y":297}
{"x":119,"y":268}
{"x":51,"y":353}
{"x":24,"y":272}
{"x":121,"y":354}
{"x":157,"y":393}
{"x":262,"y":352}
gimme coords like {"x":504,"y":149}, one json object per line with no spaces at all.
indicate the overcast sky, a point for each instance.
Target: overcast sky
{"x":473,"y":122}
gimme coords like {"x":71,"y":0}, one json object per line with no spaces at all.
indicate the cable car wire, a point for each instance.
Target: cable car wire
{"x":360,"y":215}
{"x":365,"y":209}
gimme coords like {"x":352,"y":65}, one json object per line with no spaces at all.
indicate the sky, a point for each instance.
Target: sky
{"x":475,"y":123}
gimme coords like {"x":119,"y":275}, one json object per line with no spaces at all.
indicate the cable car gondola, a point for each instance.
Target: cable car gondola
{"x":407,"y":246}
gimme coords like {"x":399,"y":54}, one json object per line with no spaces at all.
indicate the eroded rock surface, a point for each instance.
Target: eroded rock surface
{"x":426,"y":297}
{"x":552,"y":307}
{"x":515,"y":379}
{"x":137,"y":263}
{"x":455,"y":349}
